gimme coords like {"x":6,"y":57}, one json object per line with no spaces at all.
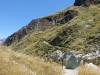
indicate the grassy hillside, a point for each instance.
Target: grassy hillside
{"x":79,"y":34}
{"x":13,"y":63}
{"x":76,"y":28}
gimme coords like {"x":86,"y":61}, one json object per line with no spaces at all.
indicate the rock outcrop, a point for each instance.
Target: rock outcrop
{"x":86,"y":2}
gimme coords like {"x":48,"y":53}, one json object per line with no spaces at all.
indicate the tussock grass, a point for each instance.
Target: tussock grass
{"x":13,"y":63}
{"x":83,"y":70}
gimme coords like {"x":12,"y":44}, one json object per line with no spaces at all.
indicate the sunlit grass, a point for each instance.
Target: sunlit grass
{"x":83,"y":70}
{"x":13,"y":63}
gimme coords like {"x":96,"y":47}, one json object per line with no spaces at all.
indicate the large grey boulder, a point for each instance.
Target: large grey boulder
{"x":70,"y":61}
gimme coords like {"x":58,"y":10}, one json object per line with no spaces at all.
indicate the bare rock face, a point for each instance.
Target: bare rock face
{"x":86,"y":2}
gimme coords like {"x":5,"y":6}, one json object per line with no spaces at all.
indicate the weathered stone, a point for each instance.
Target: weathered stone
{"x":70,"y":61}
{"x":56,"y":55}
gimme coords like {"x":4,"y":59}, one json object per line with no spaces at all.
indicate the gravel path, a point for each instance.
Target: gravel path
{"x":70,"y":72}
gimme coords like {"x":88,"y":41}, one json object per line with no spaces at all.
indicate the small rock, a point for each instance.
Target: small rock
{"x":56,"y":55}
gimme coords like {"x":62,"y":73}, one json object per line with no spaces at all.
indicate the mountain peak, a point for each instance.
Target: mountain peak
{"x":86,"y":2}
{"x":1,"y":41}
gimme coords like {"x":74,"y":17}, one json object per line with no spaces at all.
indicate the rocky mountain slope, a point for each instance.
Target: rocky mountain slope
{"x":40,"y":23}
{"x":76,"y":28}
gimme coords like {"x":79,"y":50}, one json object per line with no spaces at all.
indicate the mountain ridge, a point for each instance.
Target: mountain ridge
{"x":60,"y":18}
{"x":74,"y":29}
{"x":39,"y":23}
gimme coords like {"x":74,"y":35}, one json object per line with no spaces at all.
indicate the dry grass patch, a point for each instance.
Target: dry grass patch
{"x":13,"y":63}
{"x":11,"y":67}
{"x":83,"y":70}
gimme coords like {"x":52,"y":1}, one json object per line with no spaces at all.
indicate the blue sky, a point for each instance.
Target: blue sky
{"x":15,"y":14}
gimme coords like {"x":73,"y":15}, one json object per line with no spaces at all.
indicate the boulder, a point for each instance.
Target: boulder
{"x":70,"y":61}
